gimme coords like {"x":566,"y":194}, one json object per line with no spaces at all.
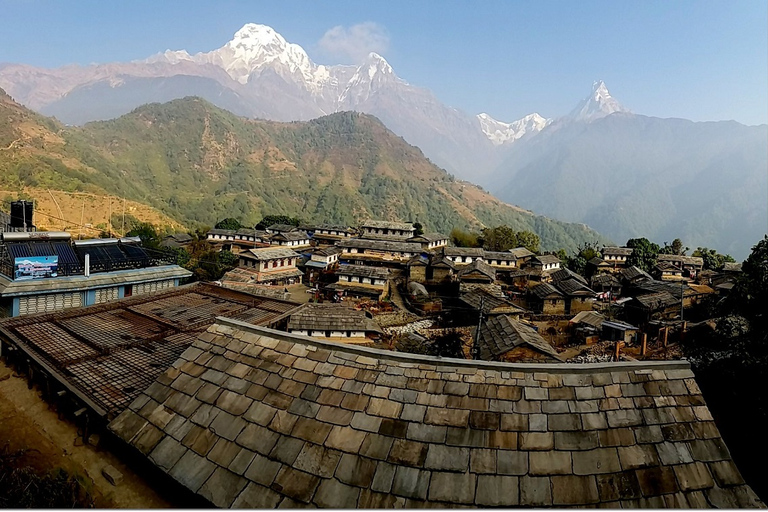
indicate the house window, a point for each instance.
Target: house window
{"x":349,"y":333}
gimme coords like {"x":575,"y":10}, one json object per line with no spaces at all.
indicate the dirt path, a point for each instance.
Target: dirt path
{"x":26,"y":423}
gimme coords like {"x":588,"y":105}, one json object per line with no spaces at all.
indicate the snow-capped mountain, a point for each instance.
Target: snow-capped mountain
{"x":598,"y":104}
{"x":255,"y":48}
{"x":499,"y":132}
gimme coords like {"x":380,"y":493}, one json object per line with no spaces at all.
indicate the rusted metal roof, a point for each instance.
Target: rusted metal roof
{"x":111,"y":352}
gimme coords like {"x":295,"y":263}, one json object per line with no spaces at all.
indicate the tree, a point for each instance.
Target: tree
{"x":461,"y":238}
{"x":750,"y":293}
{"x":179,"y":255}
{"x":712,"y":259}
{"x":529,"y":240}
{"x":644,"y":254}
{"x":500,"y":238}
{"x":586,"y":252}
{"x":150,"y":238}
{"x":419,"y":229}
{"x":675,"y":248}
{"x":229,"y":223}
{"x":268,"y":220}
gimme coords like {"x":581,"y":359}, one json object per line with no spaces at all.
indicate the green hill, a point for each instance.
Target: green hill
{"x":198,"y":164}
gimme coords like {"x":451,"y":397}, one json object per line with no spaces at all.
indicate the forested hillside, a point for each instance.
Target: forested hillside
{"x":198,"y":164}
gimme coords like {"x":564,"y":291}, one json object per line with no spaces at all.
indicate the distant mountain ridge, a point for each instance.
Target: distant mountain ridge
{"x":633,"y":176}
{"x":549,"y":165}
{"x":257,"y":74}
{"x":199,"y":164}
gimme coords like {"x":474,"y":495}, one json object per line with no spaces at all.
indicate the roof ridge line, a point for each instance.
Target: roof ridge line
{"x":463,"y":363}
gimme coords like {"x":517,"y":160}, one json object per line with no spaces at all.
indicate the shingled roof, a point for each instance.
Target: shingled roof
{"x":490,"y":303}
{"x":386,"y":224}
{"x":363,"y":271}
{"x":574,"y":287}
{"x":268,"y":253}
{"x":521,"y":252}
{"x":251,"y":417}
{"x":380,"y":245}
{"x":472,"y":252}
{"x":566,"y":273}
{"x":633,"y":274}
{"x":684,"y":260}
{"x":330,"y":317}
{"x":617,"y":251}
{"x":500,"y":334}
{"x":478,"y":267}
{"x":545,"y":290}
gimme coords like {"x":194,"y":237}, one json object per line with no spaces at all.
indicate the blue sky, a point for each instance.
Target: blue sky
{"x":701,"y":60}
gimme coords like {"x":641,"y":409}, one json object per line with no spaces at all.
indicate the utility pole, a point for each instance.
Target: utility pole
{"x":109,"y":219}
{"x":476,"y":345}
{"x":82,"y":217}
{"x":682,"y":303}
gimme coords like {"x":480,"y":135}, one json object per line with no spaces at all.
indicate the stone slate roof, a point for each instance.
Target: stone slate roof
{"x":474,"y":252}
{"x":179,"y":237}
{"x":665,"y":266}
{"x":574,"y":287}
{"x":363,"y":271}
{"x":330,"y":317}
{"x":330,"y":227}
{"x":500,"y":334}
{"x":269,"y":253}
{"x":655,"y":301}
{"x":478,"y":266}
{"x":292,"y":236}
{"x":217,"y":231}
{"x":634,"y":273}
{"x":500,"y":256}
{"x":566,"y":273}
{"x":685,"y":260}
{"x":544,"y":290}
{"x":380,"y":245}
{"x":547,"y":259}
{"x":282,"y":228}
{"x":328,"y":251}
{"x":655,"y":286}
{"x":591,"y":318}
{"x":385,"y":224}
{"x":521,"y":252}
{"x":491,"y":303}
{"x":605,"y":280}
{"x":250,"y":417}
{"x":617,"y":251}
{"x":428,"y":237}
{"x":491,"y":289}
{"x":731,"y":267}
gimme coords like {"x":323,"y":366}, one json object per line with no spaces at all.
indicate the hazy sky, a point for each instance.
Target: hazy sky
{"x":700,"y":60}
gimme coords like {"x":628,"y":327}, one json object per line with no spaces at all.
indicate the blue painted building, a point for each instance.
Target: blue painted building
{"x":46,"y":271}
